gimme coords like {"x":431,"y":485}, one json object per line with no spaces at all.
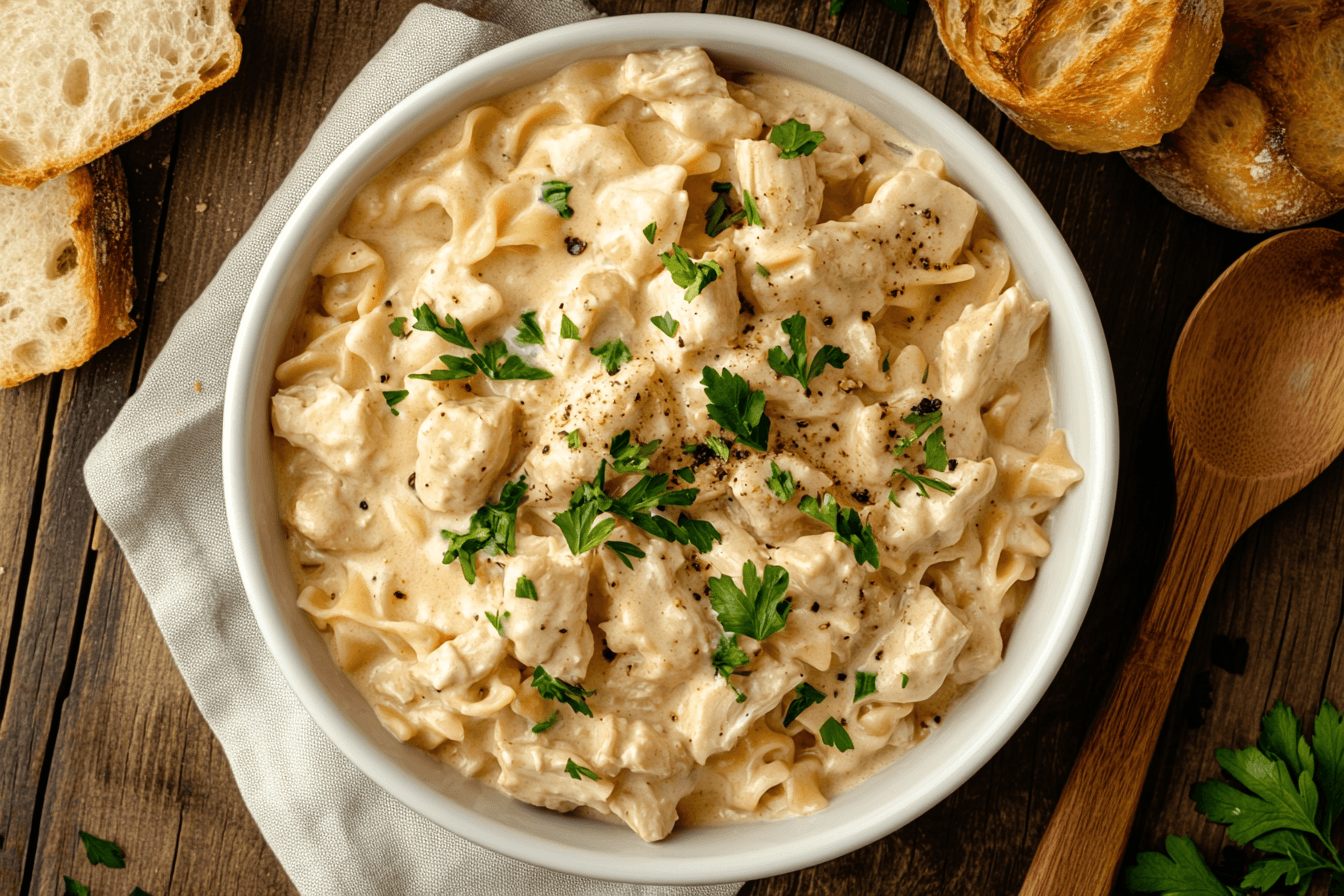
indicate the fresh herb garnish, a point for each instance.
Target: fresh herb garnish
{"x":569,"y":329}
{"x":575,"y":770}
{"x":494,"y":360}
{"x":493,"y":528}
{"x":612,"y":354}
{"x":886,"y":362}
{"x":865,"y":683}
{"x":927,"y":415}
{"x":795,"y":139}
{"x":651,"y":231}
{"x":554,"y":689}
{"x":737,"y":407}
{"x":394,"y":398}
{"x":925,"y":377}
{"x":923,"y":483}
{"x":581,"y":529}
{"x":796,"y":365}
{"x":806,"y":696}
{"x":719,"y":216}
{"x":935,"y":451}
{"x":547,"y":723}
{"x":398,"y":327}
{"x":573,"y":439}
{"x":102,"y":852}
{"x":526,"y":589}
{"x":727,"y":658}
{"x":667,"y":323}
{"x":759,"y":608}
{"x":497,"y":620}
{"x":693,"y":275}
{"x":718,"y":446}
{"x":762,"y":270}
{"x":685,"y":474}
{"x":848,"y":527}
{"x":624,"y":550}
{"x":749,"y":206}
{"x":700,"y":533}
{"x":833,"y":734}
{"x":427,"y":320}
{"x":555,"y":193}
{"x":905,"y":679}
{"x":529,"y":331}
{"x":628,"y":456}
{"x":74,"y":887}
{"x":781,"y":483}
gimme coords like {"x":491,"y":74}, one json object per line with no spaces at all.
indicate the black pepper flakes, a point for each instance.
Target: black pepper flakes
{"x":574,"y":245}
{"x":363,"y":505}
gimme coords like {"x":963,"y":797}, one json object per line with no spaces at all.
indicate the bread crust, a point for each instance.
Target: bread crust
{"x":31,"y":178}
{"x":1086,"y":76}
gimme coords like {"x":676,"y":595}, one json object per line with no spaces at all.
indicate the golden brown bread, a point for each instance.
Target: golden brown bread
{"x":1083,"y":75}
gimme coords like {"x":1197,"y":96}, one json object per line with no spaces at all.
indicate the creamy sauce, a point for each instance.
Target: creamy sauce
{"x":867,"y":239}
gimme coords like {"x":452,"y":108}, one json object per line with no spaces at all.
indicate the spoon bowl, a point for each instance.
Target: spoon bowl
{"x":1255,"y":401}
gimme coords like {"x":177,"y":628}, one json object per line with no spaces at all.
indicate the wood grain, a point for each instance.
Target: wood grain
{"x":98,"y":732}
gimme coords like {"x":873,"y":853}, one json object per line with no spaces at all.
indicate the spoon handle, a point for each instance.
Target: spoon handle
{"x":1086,"y":838}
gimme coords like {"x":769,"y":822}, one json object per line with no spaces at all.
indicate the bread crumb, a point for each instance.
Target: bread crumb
{"x":201,"y":206}
{"x":162,"y":276}
{"x":165,"y":161}
{"x":197,"y":387}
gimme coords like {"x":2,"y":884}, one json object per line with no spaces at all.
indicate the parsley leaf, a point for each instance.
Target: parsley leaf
{"x":700,"y":533}
{"x":398,"y":327}
{"x":580,"y":527}
{"x":624,"y":550}
{"x":749,"y":206}
{"x":935,"y":451}
{"x":576,"y":770}
{"x":685,"y":474}
{"x":806,"y":696}
{"x":718,"y":446}
{"x":693,"y":275}
{"x":651,"y":231}
{"x":547,"y":723}
{"x":727,"y":657}
{"x":796,"y":366}
{"x":75,"y":888}
{"x":1275,"y":800}
{"x":554,"y":689}
{"x":427,"y":320}
{"x":759,"y":608}
{"x":905,"y":679}
{"x":781,"y":483}
{"x":496,"y":362}
{"x":1181,"y":872}
{"x":762,"y":270}
{"x":833,"y":734}
{"x":1327,"y":741}
{"x":628,"y":456}
{"x":529,"y":331}
{"x":138,"y":892}
{"x":493,"y":528}
{"x":865,"y":683}
{"x":795,"y":139}
{"x":394,"y":398}
{"x":526,"y":589}
{"x":102,"y":852}
{"x":612,"y":354}
{"x":922,"y":481}
{"x":569,"y":329}
{"x":555,"y":193}
{"x":737,"y":407}
{"x":719,"y":216}
{"x":848,"y":527}
{"x":573,"y":439}
{"x":497,"y":621}
{"x":925,"y":377}
{"x":667,"y":323}
{"x":886,"y":362}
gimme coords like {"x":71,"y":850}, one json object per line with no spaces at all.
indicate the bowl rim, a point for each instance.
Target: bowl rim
{"x":653,"y":866}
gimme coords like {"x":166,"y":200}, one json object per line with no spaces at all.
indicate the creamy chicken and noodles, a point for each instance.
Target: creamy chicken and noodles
{"x":666,"y":446}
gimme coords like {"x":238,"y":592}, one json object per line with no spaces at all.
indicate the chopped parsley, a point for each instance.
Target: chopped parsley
{"x":494,"y":360}
{"x":693,"y":275}
{"x":759,"y":608}
{"x":651,"y":231}
{"x":555,"y":193}
{"x":102,"y":852}
{"x":935,"y":451}
{"x":612,"y":354}
{"x":529,"y":331}
{"x":394,"y":398}
{"x":927,"y":415}
{"x":624,"y":550}
{"x":762,"y":270}
{"x":573,"y":439}
{"x":569,"y":329}
{"x":547,"y":723}
{"x":737,"y":407}
{"x":74,"y":887}
{"x":700,"y":533}
{"x":848,"y":527}
{"x":583,"y":531}
{"x":727,"y":658}
{"x":667,"y":323}
{"x":925,"y":377}
{"x":498,"y":621}
{"x":923,"y":483}
{"x":554,"y":689}
{"x":833,"y":734}
{"x":797,"y":365}
{"x":865,"y":684}
{"x":753,"y":213}
{"x":718,"y":446}
{"x":427,"y":320}
{"x":493,"y":528}
{"x":575,"y":770}
{"x":806,"y":696}
{"x":581,"y":528}
{"x":795,"y":139}
{"x":526,"y":589}
{"x":886,"y":362}
{"x":685,"y":474}
{"x":905,"y":679}
{"x":781,"y":483}
{"x":628,"y":456}
{"x":398,"y":327}
{"x":720,"y":216}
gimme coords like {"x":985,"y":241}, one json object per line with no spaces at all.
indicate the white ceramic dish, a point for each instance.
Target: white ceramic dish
{"x":1084,"y":405}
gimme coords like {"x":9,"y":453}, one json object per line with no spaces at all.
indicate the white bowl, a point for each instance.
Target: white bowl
{"x":973,"y":731}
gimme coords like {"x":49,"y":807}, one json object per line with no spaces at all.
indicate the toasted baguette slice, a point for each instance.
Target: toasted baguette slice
{"x":1302,"y":79}
{"x":66,"y":285}
{"x":78,"y":79}
{"x":1086,"y":75}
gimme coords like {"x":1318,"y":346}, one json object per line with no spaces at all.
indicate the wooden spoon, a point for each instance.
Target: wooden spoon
{"x":1255,"y":401}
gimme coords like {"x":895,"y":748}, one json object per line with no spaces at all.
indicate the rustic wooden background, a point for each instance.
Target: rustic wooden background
{"x":98,"y":731}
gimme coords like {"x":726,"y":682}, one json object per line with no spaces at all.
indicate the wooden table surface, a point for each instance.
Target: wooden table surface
{"x":98,"y":731}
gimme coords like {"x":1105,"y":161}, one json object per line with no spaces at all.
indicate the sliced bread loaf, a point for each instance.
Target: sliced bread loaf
{"x":79,"y":77}
{"x":66,"y":285}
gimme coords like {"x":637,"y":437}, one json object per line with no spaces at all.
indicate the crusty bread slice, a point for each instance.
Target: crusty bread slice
{"x":1086,"y":75}
{"x":66,"y":285}
{"x":1302,"y":79}
{"x":80,"y":77}
{"x":1227,"y":163}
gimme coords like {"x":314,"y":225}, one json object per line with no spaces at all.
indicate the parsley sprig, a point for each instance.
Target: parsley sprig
{"x":529,"y":331}
{"x":1294,"y":794}
{"x":693,"y":275}
{"x":737,"y":407}
{"x":493,"y":528}
{"x":574,"y":770}
{"x":629,"y":456}
{"x":797,"y":365}
{"x":758,"y":608}
{"x":727,"y":658}
{"x":781,"y":483}
{"x":612,"y":354}
{"x":925,"y":416}
{"x":571,"y":695}
{"x":848,"y":527}
{"x":804,"y":696}
{"x":795,"y":139}
{"x":494,"y":360}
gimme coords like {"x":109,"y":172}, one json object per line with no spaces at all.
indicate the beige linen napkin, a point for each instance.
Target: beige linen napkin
{"x":155,"y":478}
